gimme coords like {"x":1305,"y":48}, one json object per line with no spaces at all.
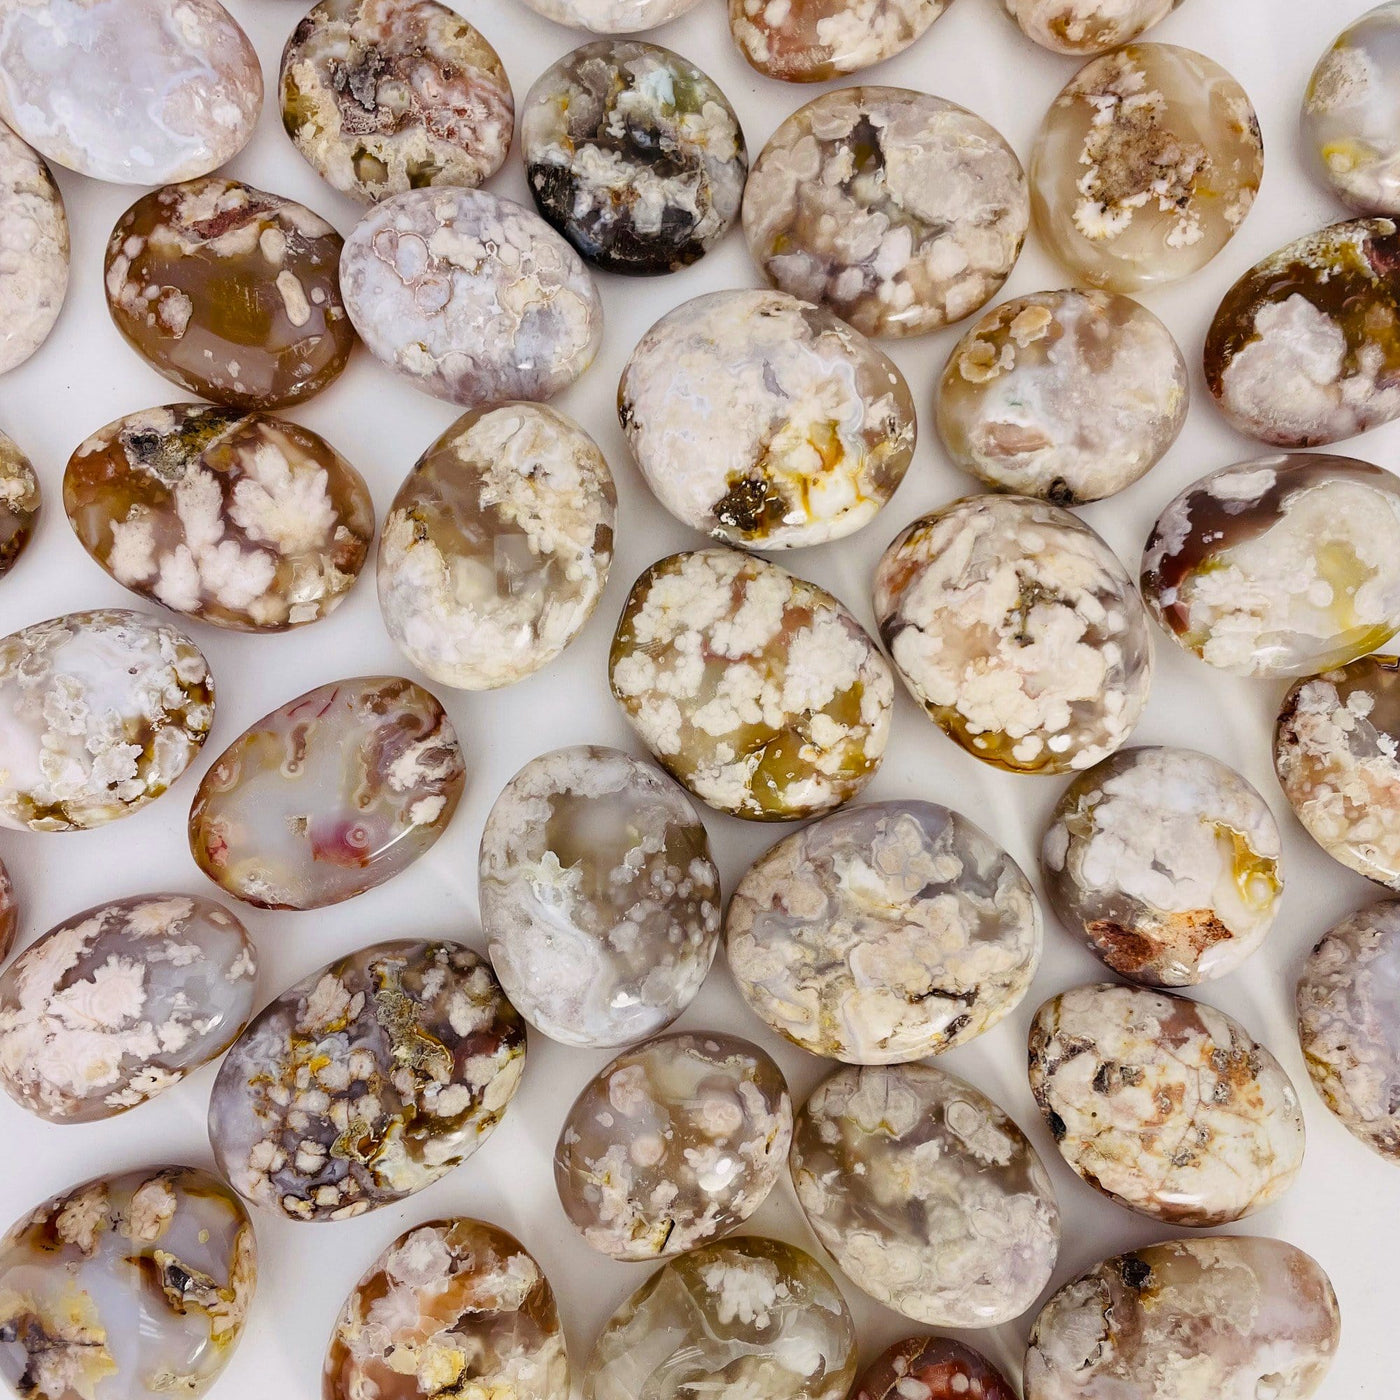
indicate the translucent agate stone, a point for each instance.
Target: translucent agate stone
{"x":34,"y":268}
{"x":20,"y":499}
{"x":611,"y":16}
{"x":931,"y":1368}
{"x":9,"y":912}
{"x":1086,"y":26}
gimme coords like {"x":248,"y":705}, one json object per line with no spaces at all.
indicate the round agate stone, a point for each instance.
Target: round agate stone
{"x":34,"y":259}
{"x":931,"y":1368}
{"x":1086,"y":26}
{"x":20,"y":499}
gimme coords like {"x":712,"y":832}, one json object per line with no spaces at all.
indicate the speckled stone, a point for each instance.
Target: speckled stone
{"x":883,"y":933}
{"x":673,"y":1144}
{"x":1086,"y":26}
{"x":931,"y":1368}
{"x":1165,"y":1105}
{"x":788,"y":713}
{"x":1166,"y":863}
{"x":383,"y":96}
{"x":899,"y":211}
{"x":20,"y":499}
{"x":497,"y":546}
{"x":470,"y":297}
{"x":233,"y":518}
{"x":1068,"y":395}
{"x":9,"y":912}
{"x":1145,"y":166}
{"x":1018,"y":630}
{"x":34,"y":254}
{"x":765,"y":421}
{"x":1282,"y":566}
{"x":1234,"y":1318}
{"x":99,"y":713}
{"x":926,"y":1194}
{"x":599,"y":899}
{"x":120,"y":1003}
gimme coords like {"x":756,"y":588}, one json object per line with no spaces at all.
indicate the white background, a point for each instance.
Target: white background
{"x":1343,"y":1209}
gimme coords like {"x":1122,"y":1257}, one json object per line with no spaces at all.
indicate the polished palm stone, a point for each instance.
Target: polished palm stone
{"x":742,"y":1317}
{"x":366,"y":1081}
{"x":634,"y":155}
{"x":454,"y":1307}
{"x":233,"y":518}
{"x":1086,"y":26}
{"x":1282,"y":566}
{"x":230,"y":292}
{"x":329,"y":795}
{"x":1232,"y":1318}
{"x":34,"y":256}
{"x":1145,"y":166}
{"x":612,"y":16}
{"x":9,"y":912}
{"x":128,"y":1287}
{"x":931,"y":1368}
{"x":497,"y":546}
{"x":765,"y":421}
{"x":119,"y":1003}
{"x":20,"y":499}
{"x":599,"y":899}
{"x":99,"y":713}
{"x":382,"y":96}
{"x":1165,"y":1105}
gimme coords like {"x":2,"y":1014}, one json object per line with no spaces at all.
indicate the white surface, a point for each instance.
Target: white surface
{"x":1343,"y":1210}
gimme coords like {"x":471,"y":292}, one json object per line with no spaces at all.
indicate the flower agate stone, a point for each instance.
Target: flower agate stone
{"x":1018,"y":630}
{"x":931,"y":1368}
{"x":926,"y":1194}
{"x":764,"y":421}
{"x":742,"y":1317}
{"x":470,"y":297}
{"x":366,"y":1081}
{"x":1070,"y":396}
{"x":120,"y":1003}
{"x":383,"y":96}
{"x":140,"y":92}
{"x":129,"y":1287}
{"x":757,"y":691}
{"x":883,"y":933}
{"x":230,"y":292}
{"x":497,"y":546}
{"x":634,"y":155}
{"x":1144,"y":167}
{"x":332,"y":794}
{"x":612,"y":16}
{"x":1283,"y":566}
{"x":453,"y":1307}
{"x":34,"y":258}
{"x":1305,"y":348}
{"x":898,"y":211}
{"x":99,"y":713}
{"x":672,"y":1144}
{"x":237,"y":519}
{"x":19,"y":502}
{"x":1233,"y":1318}
{"x":9,"y":913}
{"x":598,"y":896}
{"x":1165,"y":1105}
{"x":1086,"y":27}
{"x":1166,"y":863}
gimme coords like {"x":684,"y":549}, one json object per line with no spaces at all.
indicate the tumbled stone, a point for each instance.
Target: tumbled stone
{"x":1305,"y":348}
{"x":9,"y":912}
{"x":1069,"y":395}
{"x":1086,"y":26}
{"x":452,"y":1307}
{"x":128,"y":1287}
{"x":765,"y":421}
{"x":233,"y":518}
{"x":20,"y":499}
{"x":754,"y":689}
{"x":1166,"y":863}
{"x":672,"y":1144}
{"x":1166,"y":1105}
{"x":634,"y":155}
{"x":138,"y":92}
{"x":1145,"y":165}
{"x":99,"y":713}
{"x":230,"y":292}
{"x":1018,"y":630}
{"x":1234,"y":1317}
{"x":926,"y":1194}
{"x":1282,"y":566}
{"x":746,"y":1316}
{"x":497,"y":546}
{"x":931,"y":1368}
{"x":383,"y":96}
{"x":470,"y":297}
{"x":899,"y":211}
{"x":329,"y":795}
{"x":883,"y":933}
{"x":34,"y":258}
{"x":599,"y":899}
{"x":612,"y":16}
{"x":120,"y":1003}
{"x":366,"y":1081}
